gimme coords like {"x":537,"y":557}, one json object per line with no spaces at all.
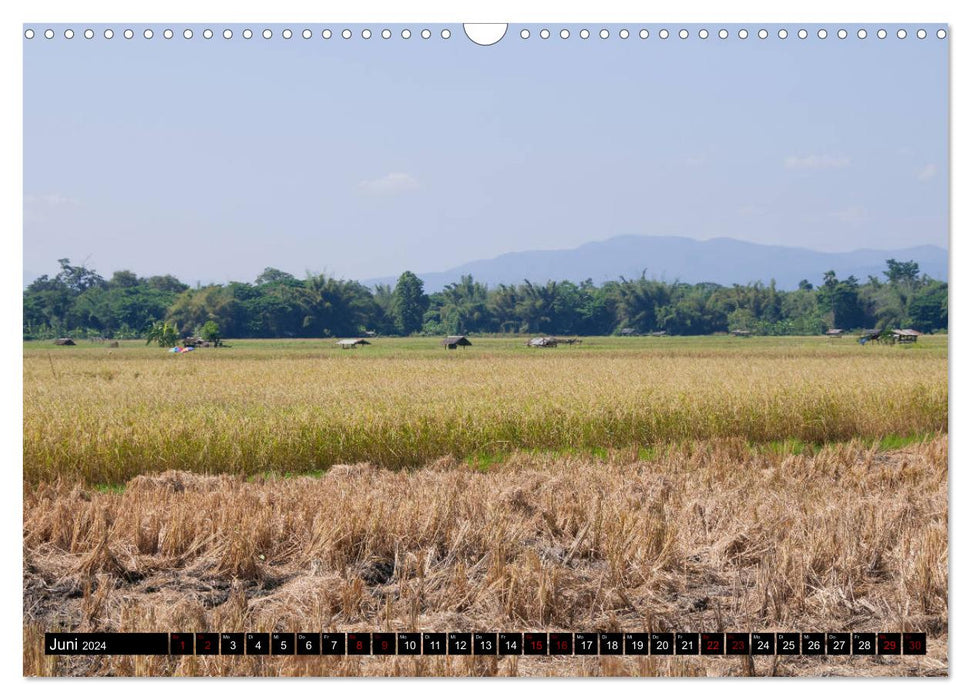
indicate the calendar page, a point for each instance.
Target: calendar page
{"x":463,"y":350}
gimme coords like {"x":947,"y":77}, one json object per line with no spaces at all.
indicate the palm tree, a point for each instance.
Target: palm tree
{"x":464,"y":306}
{"x":503,"y":306}
{"x":537,"y":305}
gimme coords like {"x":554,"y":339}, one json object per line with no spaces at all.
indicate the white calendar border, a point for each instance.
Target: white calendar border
{"x":15,"y":14}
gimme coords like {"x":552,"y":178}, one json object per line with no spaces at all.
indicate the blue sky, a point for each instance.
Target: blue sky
{"x":212,"y":159}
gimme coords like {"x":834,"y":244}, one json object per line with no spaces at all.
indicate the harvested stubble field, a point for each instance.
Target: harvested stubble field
{"x":660,"y":484}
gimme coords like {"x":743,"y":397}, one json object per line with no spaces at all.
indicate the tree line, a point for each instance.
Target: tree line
{"x":79,"y":302}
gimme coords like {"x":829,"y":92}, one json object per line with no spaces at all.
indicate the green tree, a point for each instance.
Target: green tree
{"x":123,"y":278}
{"x":802,"y":311}
{"x":77,"y":277}
{"x":271,"y":275}
{"x":383,"y":321}
{"x":78,"y":301}
{"x":48,"y":302}
{"x":274,"y":309}
{"x":335,"y":307}
{"x":640,"y":301}
{"x":210,"y":332}
{"x":502,"y":305}
{"x":902,"y":272}
{"x":928,"y":308}
{"x":166,"y":283}
{"x":408,"y":304}
{"x":538,"y":306}
{"x":463,"y":306}
{"x":742,"y":319}
{"x":841,"y":301}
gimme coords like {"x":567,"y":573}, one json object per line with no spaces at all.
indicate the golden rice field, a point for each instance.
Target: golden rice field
{"x":103,"y":415}
{"x":635,"y":484}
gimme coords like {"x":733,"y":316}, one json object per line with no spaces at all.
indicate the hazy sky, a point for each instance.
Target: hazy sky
{"x":212,"y":159}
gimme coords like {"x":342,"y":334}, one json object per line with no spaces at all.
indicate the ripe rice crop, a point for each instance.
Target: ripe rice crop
{"x":105,"y":416}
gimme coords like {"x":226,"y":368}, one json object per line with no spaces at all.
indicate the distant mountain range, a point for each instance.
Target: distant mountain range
{"x":721,"y":260}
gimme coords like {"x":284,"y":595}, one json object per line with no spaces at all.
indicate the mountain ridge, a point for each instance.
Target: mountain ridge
{"x":721,"y":260}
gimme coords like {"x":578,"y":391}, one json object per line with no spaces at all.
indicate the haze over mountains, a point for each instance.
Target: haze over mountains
{"x":721,"y":260}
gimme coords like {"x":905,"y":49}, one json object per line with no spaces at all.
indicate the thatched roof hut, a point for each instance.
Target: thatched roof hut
{"x":454,"y":341}
{"x":350,"y":343}
{"x":739,"y":333}
{"x":64,"y":341}
{"x":835,"y":333}
{"x":907,"y":335}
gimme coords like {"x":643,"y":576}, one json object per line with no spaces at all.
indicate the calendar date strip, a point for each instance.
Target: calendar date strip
{"x":486,"y":643}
